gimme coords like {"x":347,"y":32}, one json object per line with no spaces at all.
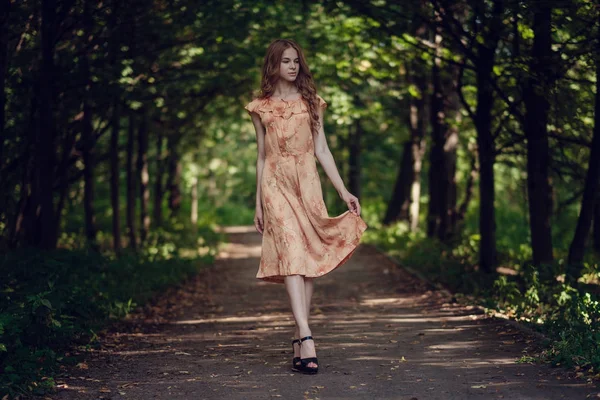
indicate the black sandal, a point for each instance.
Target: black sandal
{"x":296,"y":360}
{"x":304,"y":368}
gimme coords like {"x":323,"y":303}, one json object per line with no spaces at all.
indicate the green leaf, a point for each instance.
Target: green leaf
{"x":47,"y":303}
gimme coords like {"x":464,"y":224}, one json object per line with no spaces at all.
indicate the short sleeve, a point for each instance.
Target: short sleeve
{"x":322,"y":103}
{"x":252,"y":106}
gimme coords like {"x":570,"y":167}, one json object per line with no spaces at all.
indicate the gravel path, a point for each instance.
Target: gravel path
{"x":379,"y":334}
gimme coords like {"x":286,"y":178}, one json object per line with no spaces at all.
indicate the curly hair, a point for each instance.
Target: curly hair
{"x":304,"y":81}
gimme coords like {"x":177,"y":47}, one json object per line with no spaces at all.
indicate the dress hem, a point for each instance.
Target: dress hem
{"x":280,"y":278}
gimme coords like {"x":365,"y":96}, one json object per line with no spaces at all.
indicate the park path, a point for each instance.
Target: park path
{"x":379,"y":333}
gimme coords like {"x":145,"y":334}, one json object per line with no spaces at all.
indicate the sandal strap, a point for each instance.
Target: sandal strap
{"x":306,"y":338}
{"x":296,"y":341}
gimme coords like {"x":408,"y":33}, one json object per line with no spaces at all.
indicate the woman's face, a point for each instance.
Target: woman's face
{"x":290,"y":65}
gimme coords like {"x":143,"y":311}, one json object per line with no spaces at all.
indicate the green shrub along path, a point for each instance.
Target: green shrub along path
{"x":53,"y":301}
{"x":380,"y":334}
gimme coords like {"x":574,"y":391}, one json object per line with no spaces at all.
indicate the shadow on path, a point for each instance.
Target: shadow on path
{"x":379,"y":334}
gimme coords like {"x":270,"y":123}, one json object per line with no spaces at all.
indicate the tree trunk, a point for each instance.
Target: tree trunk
{"x":436,"y":155}
{"x":23,"y":223}
{"x":194,"y":213}
{"x":114,"y":174}
{"x":158,"y":185}
{"x":448,"y":207}
{"x":404,"y":204}
{"x":115,"y":42}
{"x":68,"y":145}
{"x":418,"y":130}
{"x":16,"y":234}
{"x":87,"y":136}
{"x":536,"y":93}
{"x":484,"y":65}
{"x":462,"y":209}
{"x":590,"y":199}
{"x":43,"y":194}
{"x":442,"y":170}
{"x":174,"y":176}
{"x":143,"y":177}
{"x":596,"y":240}
{"x":4,"y":5}
{"x":131,"y":183}
{"x":354,"y":159}
{"x":399,"y":205}
{"x":486,"y":154}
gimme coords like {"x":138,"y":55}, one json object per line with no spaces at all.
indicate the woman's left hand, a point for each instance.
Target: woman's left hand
{"x":352,"y":202}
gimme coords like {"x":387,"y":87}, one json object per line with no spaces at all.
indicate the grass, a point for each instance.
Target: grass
{"x":50,"y":301}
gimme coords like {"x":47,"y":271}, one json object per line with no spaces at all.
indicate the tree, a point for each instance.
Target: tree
{"x":143,"y":175}
{"x":591,"y":199}
{"x":535,"y":95}
{"x":43,"y":231}
{"x":88,"y":140}
{"x":444,"y":142}
{"x":131,"y":182}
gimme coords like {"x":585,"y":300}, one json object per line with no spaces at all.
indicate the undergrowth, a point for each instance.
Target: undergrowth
{"x":50,"y":301}
{"x":537,"y":297}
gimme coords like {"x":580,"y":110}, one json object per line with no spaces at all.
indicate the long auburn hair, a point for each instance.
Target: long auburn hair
{"x":304,"y":80}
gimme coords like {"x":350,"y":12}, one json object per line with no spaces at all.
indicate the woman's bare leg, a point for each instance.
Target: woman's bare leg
{"x":296,"y":288}
{"x":308,"y":291}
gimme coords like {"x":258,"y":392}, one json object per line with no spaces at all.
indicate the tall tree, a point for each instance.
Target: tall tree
{"x":143,"y":175}
{"x":131,"y":183}
{"x":174,"y":174}
{"x":404,"y":203}
{"x":535,"y":95}
{"x":596,"y":240}
{"x":479,"y":48}
{"x":6,"y":6}
{"x":591,"y":198}
{"x":354,"y":144}
{"x":194,"y":205}
{"x":87,"y":134}
{"x":115,"y":174}
{"x":444,"y":144}
{"x":484,"y":65}
{"x":115,"y":42}
{"x":45,"y":233}
{"x":158,"y":179}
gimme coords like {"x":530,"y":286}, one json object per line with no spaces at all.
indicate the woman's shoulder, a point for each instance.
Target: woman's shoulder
{"x":322,"y":103}
{"x":257,"y":104}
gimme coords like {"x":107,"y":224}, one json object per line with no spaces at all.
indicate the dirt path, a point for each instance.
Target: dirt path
{"x":380,"y":334}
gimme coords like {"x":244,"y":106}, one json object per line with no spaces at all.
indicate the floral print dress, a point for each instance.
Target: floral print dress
{"x":299,"y":237}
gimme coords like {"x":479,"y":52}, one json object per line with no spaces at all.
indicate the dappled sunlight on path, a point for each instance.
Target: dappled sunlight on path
{"x":379,"y":334}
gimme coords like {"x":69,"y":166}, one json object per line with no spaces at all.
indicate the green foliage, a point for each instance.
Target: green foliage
{"x":448,"y":264}
{"x":570,"y":318}
{"x":575,"y":325}
{"x":49,"y":300}
{"x":532,"y":295}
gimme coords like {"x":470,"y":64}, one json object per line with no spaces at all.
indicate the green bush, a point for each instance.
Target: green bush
{"x":570,"y":318}
{"x":535,"y":296}
{"x":575,"y":325}
{"x":49,"y":300}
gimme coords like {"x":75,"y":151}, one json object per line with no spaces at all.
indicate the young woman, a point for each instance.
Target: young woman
{"x":299,"y":240}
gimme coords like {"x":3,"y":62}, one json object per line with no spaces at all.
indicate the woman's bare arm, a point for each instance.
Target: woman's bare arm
{"x":260,"y":159}
{"x":325,"y":158}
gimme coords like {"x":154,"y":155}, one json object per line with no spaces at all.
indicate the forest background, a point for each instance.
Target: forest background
{"x":470,"y":131}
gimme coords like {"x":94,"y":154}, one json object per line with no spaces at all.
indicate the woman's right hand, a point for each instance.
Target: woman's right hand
{"x":352,"y":202}
{"x":258,"y":220}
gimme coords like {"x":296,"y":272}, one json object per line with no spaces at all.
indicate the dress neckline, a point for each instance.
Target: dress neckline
{"x":287,"y":101}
